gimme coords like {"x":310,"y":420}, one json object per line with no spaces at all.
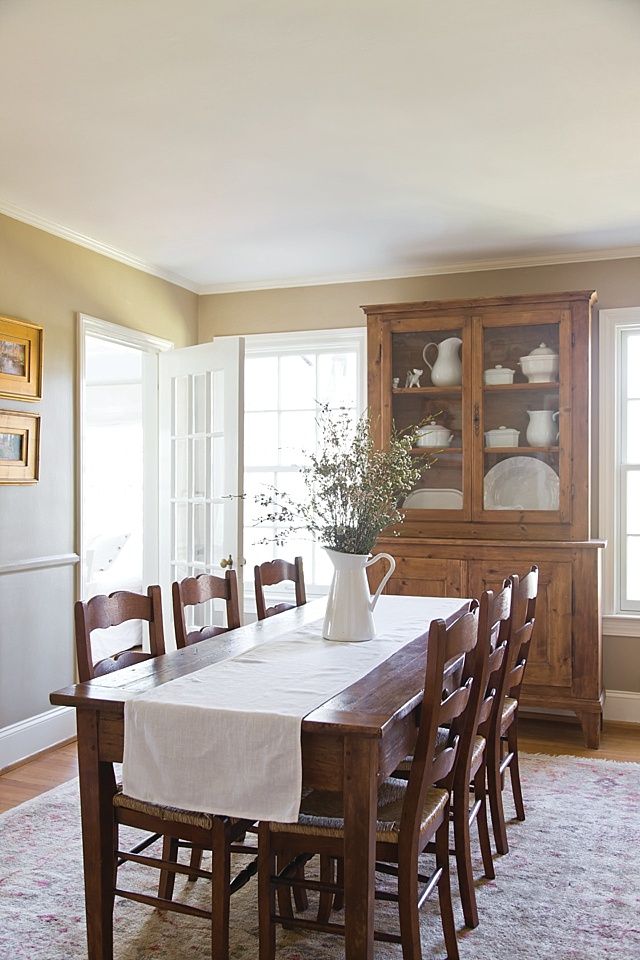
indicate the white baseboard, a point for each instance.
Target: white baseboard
{"x":22,"y":740}
{"x":622,"y":705}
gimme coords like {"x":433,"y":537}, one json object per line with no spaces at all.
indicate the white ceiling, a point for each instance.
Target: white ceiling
{"x":246,"y":143}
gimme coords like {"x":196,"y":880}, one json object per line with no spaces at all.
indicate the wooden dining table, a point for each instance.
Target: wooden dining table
{"x":350,"y":744}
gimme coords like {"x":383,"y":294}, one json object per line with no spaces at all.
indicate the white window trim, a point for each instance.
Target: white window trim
{"x":612,"y":323}
{"x":260,"y":344}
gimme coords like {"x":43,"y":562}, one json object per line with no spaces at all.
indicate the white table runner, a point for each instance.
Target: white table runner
{"x":226,"y":739}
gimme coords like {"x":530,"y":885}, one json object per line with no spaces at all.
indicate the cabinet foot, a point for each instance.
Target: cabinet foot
{"x":591,"y":724}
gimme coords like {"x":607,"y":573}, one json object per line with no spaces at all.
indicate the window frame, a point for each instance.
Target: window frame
{"x":316,"y":341}
{"x":619,"y":619}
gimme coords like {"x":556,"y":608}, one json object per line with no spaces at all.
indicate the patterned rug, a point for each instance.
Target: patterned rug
{"x":568,"y":890}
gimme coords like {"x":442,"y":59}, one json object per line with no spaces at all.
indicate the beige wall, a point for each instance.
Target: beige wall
{"x":46,"y":280}
{"x":338,"y":305}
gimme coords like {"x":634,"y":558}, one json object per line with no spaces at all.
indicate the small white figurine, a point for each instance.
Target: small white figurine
{"x":396,"y":382}
{"x":413,"y":377}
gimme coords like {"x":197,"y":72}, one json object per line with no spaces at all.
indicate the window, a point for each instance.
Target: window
{"x":286,"y":376}
{"x":620,"y":466}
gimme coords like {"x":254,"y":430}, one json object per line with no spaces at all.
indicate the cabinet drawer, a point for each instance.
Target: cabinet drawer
{"x":419,"y":577}
{"x":550,"y":658}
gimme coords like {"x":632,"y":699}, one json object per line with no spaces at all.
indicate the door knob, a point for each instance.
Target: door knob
{"x":227,"y":562}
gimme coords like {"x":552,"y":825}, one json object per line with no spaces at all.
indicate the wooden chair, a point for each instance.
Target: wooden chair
{"x":277,"y":571}
{"x":411,"y":814}
{"x":102,"y":612}
{"x":502,"y":743}
{"x":195,"y":590}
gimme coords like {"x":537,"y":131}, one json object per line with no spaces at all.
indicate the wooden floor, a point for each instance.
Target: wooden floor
{"x":619,"y":742}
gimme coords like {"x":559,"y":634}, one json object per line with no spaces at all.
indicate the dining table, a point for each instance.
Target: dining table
{"x":350,"y":744}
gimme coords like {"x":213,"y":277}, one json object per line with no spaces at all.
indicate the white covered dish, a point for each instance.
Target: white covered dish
{"x":498,"y":374}
{"x":541,"y":365}
{"x":433,"y":435}
{"x":502,"y":437}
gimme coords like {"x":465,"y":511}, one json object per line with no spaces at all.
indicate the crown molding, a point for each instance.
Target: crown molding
{"x":65,"y":233}
{"x":463,"y":266}
{"x":203,"y":289}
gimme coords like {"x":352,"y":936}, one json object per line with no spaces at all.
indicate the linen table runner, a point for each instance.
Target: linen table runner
{"x":227,"y":739}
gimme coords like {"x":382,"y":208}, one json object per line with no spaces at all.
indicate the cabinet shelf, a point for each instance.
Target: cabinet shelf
{"x":428,"y":391}
{"x":517,"y":387}
{"x":521,"y":450}
{"x":439,"y":450}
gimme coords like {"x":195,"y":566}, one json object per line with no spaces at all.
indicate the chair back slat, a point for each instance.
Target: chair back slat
{"x":433,"y":764}
{"x":272,"y":572}
{"x":193,"y":591}
{"x":102,"y":612}
{"x":516,"y":674}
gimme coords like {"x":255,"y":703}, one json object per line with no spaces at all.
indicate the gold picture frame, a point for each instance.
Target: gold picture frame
{"x":19,"y":447}
{"x":20,"y":360}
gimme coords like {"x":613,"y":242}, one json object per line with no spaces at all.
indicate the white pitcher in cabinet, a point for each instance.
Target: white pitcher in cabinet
{"x":542,"y":431}
{"x":446,"y":371}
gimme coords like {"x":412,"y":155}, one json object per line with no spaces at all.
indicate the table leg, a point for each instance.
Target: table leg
{"x":360,"y":804}
{"x":97,"y":787}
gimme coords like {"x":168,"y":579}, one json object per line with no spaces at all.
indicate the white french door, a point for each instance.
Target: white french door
{"x":201,"y":420}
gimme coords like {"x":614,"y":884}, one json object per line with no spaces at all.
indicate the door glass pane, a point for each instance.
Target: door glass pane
{"x":180,"y":532}
{"x":217,"y":446}
{"x":199,"y":466}
{"x":217,"y":401}
{"x":200,"y":403}
{"x":199,"y":532}
{"x":427,"y":393}
{"x":181,"y":406}
{"x":521,"y":428}
{"x":181,"y":469}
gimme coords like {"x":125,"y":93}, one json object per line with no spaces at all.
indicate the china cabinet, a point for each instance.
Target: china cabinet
{"x":506,"y":383}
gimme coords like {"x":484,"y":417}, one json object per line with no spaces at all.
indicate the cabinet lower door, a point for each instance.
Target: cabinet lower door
{"x":418,"y":577}
{"x":550,"y":659}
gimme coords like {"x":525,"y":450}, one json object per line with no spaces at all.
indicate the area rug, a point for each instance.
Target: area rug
{"x":569,"y":888}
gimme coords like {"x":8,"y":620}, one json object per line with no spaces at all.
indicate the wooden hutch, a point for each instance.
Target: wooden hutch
{"x":481,"y":511}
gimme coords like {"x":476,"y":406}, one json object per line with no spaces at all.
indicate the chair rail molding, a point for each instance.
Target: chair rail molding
{"x":40,"y":563}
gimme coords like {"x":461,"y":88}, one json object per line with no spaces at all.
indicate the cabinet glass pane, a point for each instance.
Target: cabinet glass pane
{"x":520,"y":428}
{"x":427,"y":392}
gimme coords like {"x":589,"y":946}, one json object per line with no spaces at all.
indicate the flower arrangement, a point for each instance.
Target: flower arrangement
{"x":353,"y":488}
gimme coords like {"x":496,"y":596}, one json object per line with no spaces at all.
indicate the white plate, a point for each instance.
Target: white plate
{"x":521,"y":483}
{"x":440,"y":498}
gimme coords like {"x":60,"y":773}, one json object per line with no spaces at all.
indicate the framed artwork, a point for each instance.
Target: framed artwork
{"x":19,"y":446}
{"x":20,"y":360}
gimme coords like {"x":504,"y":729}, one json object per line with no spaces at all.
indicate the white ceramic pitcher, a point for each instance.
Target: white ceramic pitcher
{"x":542,"y":431}
{"x":349,"y":615}
{"x":447,"y":369}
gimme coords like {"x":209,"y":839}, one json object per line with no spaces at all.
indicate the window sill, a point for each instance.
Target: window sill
{"x":621,"y":625}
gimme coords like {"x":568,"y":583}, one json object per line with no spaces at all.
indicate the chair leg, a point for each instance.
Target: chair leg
{"x":167,"y":880}
{"x":338,"y":900}
{"x":514,"y":768}
{"x":444,"y":891}
{"x":266,"y":895}
{"x":480,"y":793}
{"x":220,"y":880}
{"x":195,"y":862}
{"x":462,"y":838}
{"x":300,"y":898}
{"x":283,"y":893}
{"x":495,"y":798}
{"x":327,"y":875}
{"x":408,"y":908}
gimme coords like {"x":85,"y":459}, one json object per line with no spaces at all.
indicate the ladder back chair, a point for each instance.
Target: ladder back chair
{"x":196,"y":590}
{"x":502,"y":743}
{"x":272,"y":572}
{"x":413,"y":815}
{"x":102,"y":612}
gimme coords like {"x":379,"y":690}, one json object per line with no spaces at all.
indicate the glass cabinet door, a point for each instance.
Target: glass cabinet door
{"x":522,"y":416}
{"x":430,"y":374}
